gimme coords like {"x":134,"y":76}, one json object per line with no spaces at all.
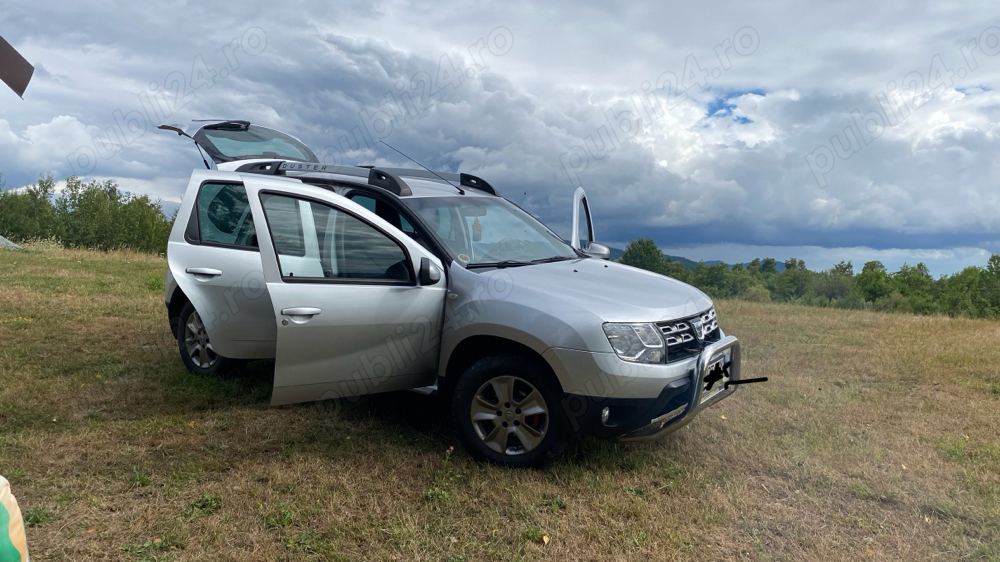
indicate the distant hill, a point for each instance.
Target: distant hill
{"x":688,"y":263}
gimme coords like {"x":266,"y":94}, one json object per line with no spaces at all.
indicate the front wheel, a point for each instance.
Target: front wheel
{"x":196,"y":350}
{"x":505,"y":410}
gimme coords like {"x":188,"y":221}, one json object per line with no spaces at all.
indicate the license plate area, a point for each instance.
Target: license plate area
{"x":716,"y":379}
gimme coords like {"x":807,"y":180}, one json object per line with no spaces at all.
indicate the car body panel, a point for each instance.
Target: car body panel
{"x":235,"y":305}
{"x":366,"y":337}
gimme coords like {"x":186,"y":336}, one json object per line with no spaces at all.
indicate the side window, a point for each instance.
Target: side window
{"x":316,"y":241}
{"x":224,"y":215}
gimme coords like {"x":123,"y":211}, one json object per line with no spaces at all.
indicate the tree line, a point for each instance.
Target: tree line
{"x":973,"y":292}
{"x":94,"y":215}
{"x":99,"y":215}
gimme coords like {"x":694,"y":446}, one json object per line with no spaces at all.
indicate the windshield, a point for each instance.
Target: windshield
{"x":485,"y":230}
{"x":229,"y":143}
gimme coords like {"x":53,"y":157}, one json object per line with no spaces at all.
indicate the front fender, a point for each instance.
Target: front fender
{"x":489,"y":304}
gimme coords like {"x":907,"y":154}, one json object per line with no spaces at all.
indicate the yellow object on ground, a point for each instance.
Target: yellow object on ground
{"x":13,"y":544}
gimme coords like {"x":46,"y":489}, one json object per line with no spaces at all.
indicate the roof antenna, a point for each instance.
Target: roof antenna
{"x":202,"y":155}
{"x":460,"y":190}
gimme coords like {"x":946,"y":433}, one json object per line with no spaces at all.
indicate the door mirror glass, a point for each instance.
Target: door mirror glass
{"x":429,"y":273}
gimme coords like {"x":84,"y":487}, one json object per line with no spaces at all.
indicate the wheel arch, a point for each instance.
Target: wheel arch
{"x":475,"y":347}
{"x":177,"y":301}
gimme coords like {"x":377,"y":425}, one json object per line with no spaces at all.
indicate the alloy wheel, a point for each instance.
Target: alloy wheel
{"x":509,"y":415}
{"x":200,"y":350}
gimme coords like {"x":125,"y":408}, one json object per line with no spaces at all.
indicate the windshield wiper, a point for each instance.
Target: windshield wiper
{"x":553,"y":259}
{"x":515,"y":263}
{"x":499,"y":264}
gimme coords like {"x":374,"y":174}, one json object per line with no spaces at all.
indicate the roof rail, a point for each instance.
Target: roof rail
{"x":264,"y":168}
{"x":388,"y":181}
{"x":466,"y":180}
{"x":469,"y":180}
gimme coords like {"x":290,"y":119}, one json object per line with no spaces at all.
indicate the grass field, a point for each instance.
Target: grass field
{"x":878,"y":438}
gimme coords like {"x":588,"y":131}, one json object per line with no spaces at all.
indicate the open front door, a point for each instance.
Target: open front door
{"x":580,"y":205}
{"x":351,"y":317}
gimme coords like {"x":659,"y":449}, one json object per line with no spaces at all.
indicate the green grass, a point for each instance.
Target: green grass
{"x":37,"y":516}
{"x":871,"y":436}
{"x":204,"y":506}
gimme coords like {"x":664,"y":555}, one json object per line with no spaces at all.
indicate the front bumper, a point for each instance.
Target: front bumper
{"x":679,"y":394}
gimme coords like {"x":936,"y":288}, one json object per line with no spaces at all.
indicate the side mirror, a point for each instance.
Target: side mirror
{"x":429,"y":273}
{"x":599,"y":251}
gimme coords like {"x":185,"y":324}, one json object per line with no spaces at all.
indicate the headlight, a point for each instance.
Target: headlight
{"x":640,"y":343}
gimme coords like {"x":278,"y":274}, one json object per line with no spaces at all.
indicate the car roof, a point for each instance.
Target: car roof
{"x":401,"y":182}
{"x":431,"y":188}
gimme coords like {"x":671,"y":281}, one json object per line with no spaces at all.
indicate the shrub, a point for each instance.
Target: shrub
{"x":95,"y":215}
{"x":28,"y":214}
{"x":757,"y":293}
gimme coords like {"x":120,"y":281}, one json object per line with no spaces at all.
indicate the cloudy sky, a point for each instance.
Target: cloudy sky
{"x":726,"y":131}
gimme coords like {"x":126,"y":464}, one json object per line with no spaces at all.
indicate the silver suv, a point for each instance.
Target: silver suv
{"x":358,"y":280}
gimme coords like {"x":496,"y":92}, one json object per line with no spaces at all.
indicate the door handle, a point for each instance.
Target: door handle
{"x":204,"y":272}
{"x":301,"y":311}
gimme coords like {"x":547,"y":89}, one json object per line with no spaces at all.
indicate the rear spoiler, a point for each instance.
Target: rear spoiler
{"x":193,"y":127}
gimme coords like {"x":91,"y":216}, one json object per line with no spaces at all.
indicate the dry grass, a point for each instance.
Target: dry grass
{"x":877,"y":438}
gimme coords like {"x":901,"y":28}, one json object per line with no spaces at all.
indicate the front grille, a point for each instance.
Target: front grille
{"x":683,"y":341}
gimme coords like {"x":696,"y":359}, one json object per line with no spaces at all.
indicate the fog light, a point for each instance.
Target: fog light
{"x":605,"y":413}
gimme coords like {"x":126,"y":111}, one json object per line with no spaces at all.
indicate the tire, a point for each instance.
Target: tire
{"x":533,"y":436}
{"x":195,"y":348}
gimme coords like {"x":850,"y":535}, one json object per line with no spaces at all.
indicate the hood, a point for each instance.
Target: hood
{"x":615,"y":292}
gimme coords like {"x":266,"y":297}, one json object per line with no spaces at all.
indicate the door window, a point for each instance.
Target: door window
{"x":224,"y":215}
{"x":316,"y":241}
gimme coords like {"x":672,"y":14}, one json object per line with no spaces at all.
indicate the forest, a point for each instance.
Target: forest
{"x":973,"y":292}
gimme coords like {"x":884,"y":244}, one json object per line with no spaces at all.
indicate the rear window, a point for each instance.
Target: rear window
{"x":230,"y":143}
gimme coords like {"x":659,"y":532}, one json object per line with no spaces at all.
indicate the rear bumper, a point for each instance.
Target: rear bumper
{"x":673,"y":403}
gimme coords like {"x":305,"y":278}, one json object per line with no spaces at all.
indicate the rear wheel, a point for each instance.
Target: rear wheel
{"x":505,"y":409}
{"x":196,"y":350}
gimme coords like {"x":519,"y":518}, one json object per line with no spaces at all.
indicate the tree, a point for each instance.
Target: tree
{"x":769,"y":265}
{"x":915,"y":283}
{"x":843,"y":268}
{"x":993,"y":266}
{"x":27,"y":214}
{"x":873,"y":281}
{"x":793,"y":283}
{"x":94,"y":215}
{"x":644,"y":254}
{"x":963,"y":294}
{"x":677,"y":270}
